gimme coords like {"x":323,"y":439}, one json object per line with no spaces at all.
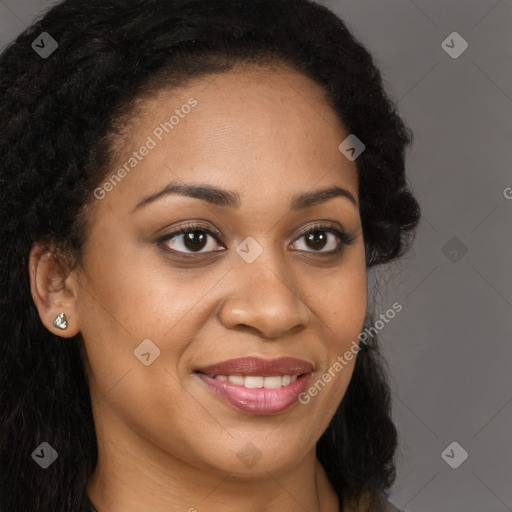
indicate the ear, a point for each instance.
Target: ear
{"x":54,"y":290}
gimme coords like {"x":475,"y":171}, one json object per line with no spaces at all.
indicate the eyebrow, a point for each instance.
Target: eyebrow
{"x":221,"y":197}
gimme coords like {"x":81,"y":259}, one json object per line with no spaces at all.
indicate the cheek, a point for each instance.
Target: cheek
{"x":353,"y":295}
{"x":126,"y":290}
{"x":341,"y":301}
{"x":127,"y":298}
{"x":341,"y":306}
{"x":344,"y":349}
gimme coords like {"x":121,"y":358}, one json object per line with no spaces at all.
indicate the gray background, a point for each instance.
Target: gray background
{"x":449,"y":349}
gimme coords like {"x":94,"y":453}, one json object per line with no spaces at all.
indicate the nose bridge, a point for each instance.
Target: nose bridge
{"x":263,"y":295}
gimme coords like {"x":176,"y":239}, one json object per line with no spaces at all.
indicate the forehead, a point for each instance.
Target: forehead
{"x":249,"y":101}
{"x":242,"y":130}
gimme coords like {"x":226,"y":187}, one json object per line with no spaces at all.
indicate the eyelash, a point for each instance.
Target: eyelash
{"x":344,"y":238}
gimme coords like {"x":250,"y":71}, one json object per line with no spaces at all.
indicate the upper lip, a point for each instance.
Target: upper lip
{"x":261,"y":367}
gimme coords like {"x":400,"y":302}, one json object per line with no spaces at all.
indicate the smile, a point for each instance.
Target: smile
{"x":258,"y":386}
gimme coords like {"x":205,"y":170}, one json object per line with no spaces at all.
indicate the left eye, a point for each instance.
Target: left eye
{"x":319,"y":238}
{"x":195,"y":238}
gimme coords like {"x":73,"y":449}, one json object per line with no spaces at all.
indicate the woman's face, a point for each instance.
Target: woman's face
{"x":156,"y":308}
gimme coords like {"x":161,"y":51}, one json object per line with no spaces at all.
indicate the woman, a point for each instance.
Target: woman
{"x":193,"y":193}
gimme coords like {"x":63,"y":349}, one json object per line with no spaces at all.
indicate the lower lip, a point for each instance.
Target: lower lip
{"x":258,"y":400}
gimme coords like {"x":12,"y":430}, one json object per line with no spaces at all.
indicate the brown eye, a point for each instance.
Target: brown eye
{"x":190,"y":239}
{"x":318,"y":238}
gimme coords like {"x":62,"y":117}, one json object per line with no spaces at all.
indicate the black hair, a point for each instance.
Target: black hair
{"x":58,"y":117}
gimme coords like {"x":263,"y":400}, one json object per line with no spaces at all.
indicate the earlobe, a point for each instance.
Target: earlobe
{"x":54,"y":291}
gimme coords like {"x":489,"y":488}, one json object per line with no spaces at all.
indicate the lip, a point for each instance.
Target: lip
{"x":258,"y":400}
{"x":256,"y":366}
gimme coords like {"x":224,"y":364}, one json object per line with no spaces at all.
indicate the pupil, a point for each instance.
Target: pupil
{"x":191,"y":240}
{"x":315,"y":237}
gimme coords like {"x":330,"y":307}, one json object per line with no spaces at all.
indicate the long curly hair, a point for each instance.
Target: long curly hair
{"x":58,"y":116}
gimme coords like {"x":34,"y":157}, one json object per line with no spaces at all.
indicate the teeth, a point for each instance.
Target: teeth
{"x":271,"y":382}
{"x":253,"y":381}
{"x":236,"y":379}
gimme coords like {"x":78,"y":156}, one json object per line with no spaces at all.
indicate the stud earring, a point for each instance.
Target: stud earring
{"x":61,"y":322}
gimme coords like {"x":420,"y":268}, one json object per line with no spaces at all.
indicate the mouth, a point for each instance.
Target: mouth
{"x":256,"y":385}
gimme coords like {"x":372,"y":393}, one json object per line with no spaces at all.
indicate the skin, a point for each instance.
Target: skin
{"x":166,"y":442}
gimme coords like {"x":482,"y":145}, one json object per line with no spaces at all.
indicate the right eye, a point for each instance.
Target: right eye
{"x":189,"y":239}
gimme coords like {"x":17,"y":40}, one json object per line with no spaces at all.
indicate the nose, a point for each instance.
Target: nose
{"x":264,"y":299}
